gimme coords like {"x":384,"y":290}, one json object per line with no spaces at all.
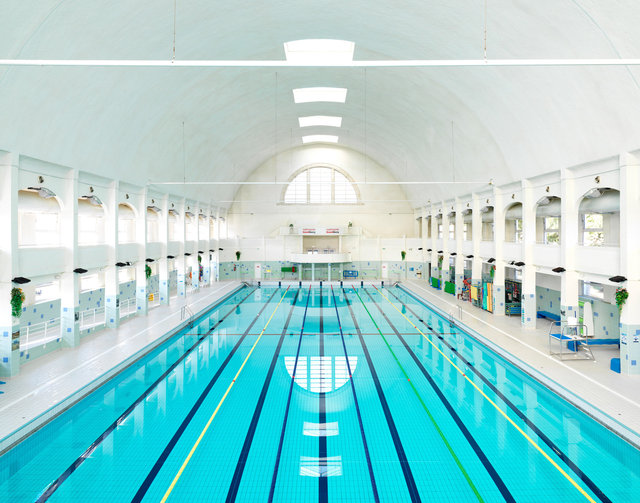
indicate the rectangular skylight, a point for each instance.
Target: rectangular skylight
{"x":320,"y":120}
{"x":311,"y":94}
{"x":324,"y":138}
{"x":319,"y":51}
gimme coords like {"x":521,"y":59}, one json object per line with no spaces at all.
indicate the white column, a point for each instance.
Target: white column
{"x":459,"y":279}
{"x":528,"y":303}
{"x":498,"y":237}
{"x":111,"y":281}
{"x":630,"y":266}
{"x":9,"y":326}
{"x":434,"y":246}
{"x":445,"y":246}
{"x":163,"y":262}
{"x":568,"y":243}
{"x":70,"y":281}
{"x":180,"y":263}
{"x":142,"y":302}
{"x":425,"y":243}
{"x":476,"y":234}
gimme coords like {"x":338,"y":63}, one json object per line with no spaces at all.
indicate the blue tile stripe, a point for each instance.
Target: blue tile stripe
{"x":323,"y":487}
{"x":244,"y":454}
{"x":157,"y":466}
{"x":274,"y":477}
{"x":584,"y":477}
{"x":48,"y":492}
{"x":402,"y":457}
{"x":506,"y":494}
{"x":374,"y":486}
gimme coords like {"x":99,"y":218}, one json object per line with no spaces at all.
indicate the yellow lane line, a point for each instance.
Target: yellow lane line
{"x":215,"y":412}
{"x":531,"y":441}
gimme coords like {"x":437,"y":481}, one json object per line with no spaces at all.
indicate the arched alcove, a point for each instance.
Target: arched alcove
{"x":153,"y":225}
{"x":191,"y":229}
{"x":467,"y":224}
{"x":548,"y":220}
{"x":487,"y":223}
{"x":173,"y":229}
{"x":513,"y":223}
{"x":91,"y":222}
{"x":126,"y":224}
{"x":599,"y":218}
{"x":39,"y":215}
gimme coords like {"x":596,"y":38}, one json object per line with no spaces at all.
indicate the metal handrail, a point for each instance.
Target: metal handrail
{"x":156,"y":299}
{"x":39,"y":334}
{"x":578,"y":334}
{"x":128,"y":303}
{"x":92,"y":317}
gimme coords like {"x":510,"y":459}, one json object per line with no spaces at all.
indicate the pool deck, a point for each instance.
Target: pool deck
{"x":53,"y":382}
{"x":47,"y":385}
{"x":617,"y":395}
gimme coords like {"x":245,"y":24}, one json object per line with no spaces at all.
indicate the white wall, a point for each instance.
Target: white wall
{"x":384,"y":210}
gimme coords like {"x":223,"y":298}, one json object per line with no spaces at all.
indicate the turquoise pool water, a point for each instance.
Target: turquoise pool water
{"x":322,"y":394}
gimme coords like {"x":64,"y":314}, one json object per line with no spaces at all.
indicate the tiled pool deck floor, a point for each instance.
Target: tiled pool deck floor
{"x":47,"y":381}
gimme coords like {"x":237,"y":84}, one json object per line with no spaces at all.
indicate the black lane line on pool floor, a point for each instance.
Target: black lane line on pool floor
{"x":274,"y":477}
{"x":246,"y":447}
{"x":48,"y":492}
{"x":506,"y":494}
{"x":584,"y":477}
{"x":374,"y":487}
{"x":323,"y":482}
{"x":144,"y":487}
{"x":402,"y":457}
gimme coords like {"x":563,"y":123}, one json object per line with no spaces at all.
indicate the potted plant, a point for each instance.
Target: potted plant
{"x":621,"y":297}
{"x":17,"y":299}
{"x":403,"y":254}
{"x":238,"y":256}
{"x":147,"y":271}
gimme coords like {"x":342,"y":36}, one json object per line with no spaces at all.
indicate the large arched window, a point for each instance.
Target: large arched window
{"x":320,"y":186}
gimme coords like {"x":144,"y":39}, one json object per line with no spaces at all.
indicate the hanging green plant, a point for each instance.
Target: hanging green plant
{"x":403,"y":254}
{"x":621,"y":297}
{"x":147,"y":271}
{"x":199,"y":259}
{"x":237,"y":255}
{"x":17,"y":299}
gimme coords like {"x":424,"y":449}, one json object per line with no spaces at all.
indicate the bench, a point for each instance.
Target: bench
{"x":549,"y":316}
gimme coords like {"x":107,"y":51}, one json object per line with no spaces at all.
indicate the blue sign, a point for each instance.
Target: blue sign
{"x":349,"y":274}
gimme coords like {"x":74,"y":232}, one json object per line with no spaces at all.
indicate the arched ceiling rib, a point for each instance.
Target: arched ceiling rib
{"x":506,"y":122}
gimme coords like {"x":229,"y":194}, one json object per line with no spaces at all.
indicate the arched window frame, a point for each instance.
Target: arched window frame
{"x":334,"y":169}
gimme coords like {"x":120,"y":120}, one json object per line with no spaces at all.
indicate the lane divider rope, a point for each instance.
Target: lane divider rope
{"x":502,"y":412}
{"x":433,"y":420}
{"x":215,"y":412}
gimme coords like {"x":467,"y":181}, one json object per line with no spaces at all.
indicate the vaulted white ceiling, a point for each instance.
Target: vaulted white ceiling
{"x":422,"y":124}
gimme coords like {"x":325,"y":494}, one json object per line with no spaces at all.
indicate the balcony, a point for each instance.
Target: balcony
{"x":319,"y":258}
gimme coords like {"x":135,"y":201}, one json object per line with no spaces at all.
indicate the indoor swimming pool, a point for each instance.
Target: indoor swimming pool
{"x":322,"y":393}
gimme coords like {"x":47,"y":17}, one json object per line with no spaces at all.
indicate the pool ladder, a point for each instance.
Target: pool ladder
{"x":186,"y":312}
{"x":457,"y":311}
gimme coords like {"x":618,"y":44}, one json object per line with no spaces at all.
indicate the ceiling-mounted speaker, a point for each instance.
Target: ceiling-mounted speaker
{"x":149,"y":260}
{"x":519,"y":264}
{"x":491,"y":260}
{"x":170,"y":256}
{"x":120,"y":264}
{"x":469,"y":256}
{"x":617,"y":279}
{"x":558,"y":269}
{"x":19,"y":280}
{"x":79,"y":270}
